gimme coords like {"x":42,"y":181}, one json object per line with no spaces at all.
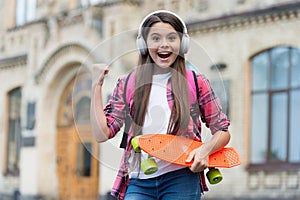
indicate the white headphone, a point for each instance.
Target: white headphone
{"x":141,"y":43}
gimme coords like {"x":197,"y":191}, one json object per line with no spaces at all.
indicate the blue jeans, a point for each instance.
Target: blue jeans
{"x":178,"y":185}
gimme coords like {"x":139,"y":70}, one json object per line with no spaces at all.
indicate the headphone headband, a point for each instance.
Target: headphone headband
{"x":162,"y":11}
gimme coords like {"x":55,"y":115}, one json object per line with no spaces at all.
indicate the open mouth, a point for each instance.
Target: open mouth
{"x":164,"y":55}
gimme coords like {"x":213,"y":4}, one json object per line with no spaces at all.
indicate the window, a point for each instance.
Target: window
{"x":82,"y":111}
{"x":82,"y":101}
{"x":84,"y":159}
{"x":25,"y":11}
{"x":275,"y":109}
{"x":14,"y":132}
{"x":30,"y":122}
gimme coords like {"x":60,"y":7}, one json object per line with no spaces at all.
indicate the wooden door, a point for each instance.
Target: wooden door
{"x":77,"y":166}
{"x":77,"y":150}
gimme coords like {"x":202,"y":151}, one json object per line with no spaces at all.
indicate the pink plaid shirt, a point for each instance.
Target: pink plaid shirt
{"x":210,"y":113}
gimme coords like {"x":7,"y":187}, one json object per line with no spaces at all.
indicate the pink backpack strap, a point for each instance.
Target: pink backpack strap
{"x":129,"y":87}
{"x":194,"y":96}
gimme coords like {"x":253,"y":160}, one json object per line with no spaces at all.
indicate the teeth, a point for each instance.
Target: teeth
{"x":164,"y":54}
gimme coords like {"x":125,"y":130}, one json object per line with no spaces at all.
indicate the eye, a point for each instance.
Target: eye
{"x":172,"y":37}
{"x":155,"y":38}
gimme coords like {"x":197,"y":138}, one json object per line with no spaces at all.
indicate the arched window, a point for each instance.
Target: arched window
{"x":275,"y":108}
{"x":14,"y":132}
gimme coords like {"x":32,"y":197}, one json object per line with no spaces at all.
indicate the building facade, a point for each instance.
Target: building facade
{"x":250,"y":50}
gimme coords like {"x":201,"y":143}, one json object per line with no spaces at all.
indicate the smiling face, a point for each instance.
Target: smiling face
{"x":163,"y":44}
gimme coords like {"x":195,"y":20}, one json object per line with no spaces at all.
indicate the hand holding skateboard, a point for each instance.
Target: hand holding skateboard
{"x":176,"y":149}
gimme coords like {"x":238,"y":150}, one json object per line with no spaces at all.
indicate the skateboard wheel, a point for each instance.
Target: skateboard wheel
{"x":214,"y":176}
{"x":135,"y":145}
{"x":149,"y":166}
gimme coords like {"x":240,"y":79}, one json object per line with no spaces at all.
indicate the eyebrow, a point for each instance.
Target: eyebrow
{"x":172,"y":33}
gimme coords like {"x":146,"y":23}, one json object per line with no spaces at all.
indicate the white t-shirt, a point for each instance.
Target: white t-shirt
{"x":156,"y":121}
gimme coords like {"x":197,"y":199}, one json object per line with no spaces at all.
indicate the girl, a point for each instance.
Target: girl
{"x":160,"y":104}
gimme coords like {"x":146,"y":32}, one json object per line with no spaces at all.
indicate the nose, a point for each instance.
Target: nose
{"x":164,"y":43}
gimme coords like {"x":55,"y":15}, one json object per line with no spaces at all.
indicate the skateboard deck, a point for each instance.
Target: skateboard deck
{"x":175,"y":149}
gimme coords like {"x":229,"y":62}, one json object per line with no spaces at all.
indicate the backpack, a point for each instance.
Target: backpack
{"x":129,"y":92}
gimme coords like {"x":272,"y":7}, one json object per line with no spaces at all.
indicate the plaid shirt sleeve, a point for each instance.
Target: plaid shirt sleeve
{"x":114,"y":109}
{"x":115,"y":116}
{"x":210,"y":107}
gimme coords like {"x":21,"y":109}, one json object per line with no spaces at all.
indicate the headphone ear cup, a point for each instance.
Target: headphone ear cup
{"x":141,"y":45}
{"x":185,"y":43}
